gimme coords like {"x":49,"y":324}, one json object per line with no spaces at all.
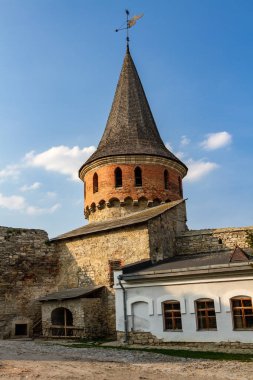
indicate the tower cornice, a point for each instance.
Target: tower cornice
{"x":133,"y":159}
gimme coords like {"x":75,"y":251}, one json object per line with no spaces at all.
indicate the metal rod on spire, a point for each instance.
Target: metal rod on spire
{"x":127,"y":38}
{"x":128,"y":24}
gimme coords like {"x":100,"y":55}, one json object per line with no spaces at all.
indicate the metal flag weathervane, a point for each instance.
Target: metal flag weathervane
{"x":128,"y":24}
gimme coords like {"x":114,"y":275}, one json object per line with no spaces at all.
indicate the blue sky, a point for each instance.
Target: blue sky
{"x":59,"y":66}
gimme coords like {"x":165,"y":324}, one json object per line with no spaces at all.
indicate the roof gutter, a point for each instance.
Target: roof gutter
{"x":211,"y":271}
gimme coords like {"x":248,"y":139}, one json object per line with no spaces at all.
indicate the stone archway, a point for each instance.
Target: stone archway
{"x":62,"y":322}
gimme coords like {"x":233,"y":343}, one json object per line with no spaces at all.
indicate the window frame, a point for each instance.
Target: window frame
{"x":173,"y":316}
{"x":206,"y":315}
{"x":241,"y":308}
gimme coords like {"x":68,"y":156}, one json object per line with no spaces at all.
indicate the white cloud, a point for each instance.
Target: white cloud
{"x":34,"y":186}
{"x":185,"y":140}
{"x":51,"y":194}
{"x":216,"y":140}
{"x":18,"y":203}
{"x":169,"y":146}
{"x":199,"y":169}
{"x":10,"y":171}
{"x":60,"y":159}
{"x":13,"y":202}
{"x":180,"y":155}
{"x":33,"y":210}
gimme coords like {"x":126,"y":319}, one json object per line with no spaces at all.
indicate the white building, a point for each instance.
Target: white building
{"x":189,"y":298}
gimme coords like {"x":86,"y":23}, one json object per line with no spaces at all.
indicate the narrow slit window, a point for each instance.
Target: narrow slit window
{"x":180,"y":187}
{"x":138,"y":176}
{"x":95,"y":183}
{"x":172,"y":315}
{"x":166,"y":179}
{"x":118,"y":177}
{"x":206,"y":317}
{"x":242,"y":311}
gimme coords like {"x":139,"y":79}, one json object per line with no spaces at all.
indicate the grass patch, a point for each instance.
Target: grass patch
{"x":170,"y":352}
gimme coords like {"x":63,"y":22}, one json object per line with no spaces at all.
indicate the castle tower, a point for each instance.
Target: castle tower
{"x":131,"y":168}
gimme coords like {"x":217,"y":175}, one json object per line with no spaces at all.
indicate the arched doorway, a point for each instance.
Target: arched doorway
{"x":62,"y":322}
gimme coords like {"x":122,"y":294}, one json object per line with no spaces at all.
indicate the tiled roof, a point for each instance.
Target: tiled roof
{"x":131,"y":128}
{"x":134,"y":218}
{"x":70,"y":293}
{"x":183,"y":262}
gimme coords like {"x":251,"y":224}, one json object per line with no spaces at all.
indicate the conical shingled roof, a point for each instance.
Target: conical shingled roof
{"x":131,"y":128}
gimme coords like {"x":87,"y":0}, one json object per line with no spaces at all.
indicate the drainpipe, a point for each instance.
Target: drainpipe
{"x":125,"y":310}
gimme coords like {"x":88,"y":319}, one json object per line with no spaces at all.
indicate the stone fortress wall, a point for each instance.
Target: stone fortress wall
{"x":211,"y":240}
{"x":28,"y":270}
{"x":31,"y":267}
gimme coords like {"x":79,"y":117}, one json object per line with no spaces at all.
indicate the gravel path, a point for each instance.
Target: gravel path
{"x":44,"y":360}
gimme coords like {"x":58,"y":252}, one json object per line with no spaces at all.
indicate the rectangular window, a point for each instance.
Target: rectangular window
{"x":172,"y":315}
{"x":242,"y":313}
{"x":206,"y":317}
{"x":114,"y":265}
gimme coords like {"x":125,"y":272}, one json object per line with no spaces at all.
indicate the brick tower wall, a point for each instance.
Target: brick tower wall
{"x":110,"y":201}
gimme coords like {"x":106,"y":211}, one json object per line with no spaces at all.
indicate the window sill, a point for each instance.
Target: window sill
{"x":206,"y":330}
{"x":173,"y":330}
{"x":242,"y":329}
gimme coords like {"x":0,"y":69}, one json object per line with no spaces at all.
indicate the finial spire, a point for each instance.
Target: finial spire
{"x":128,"y":24}
{"x":127,"y":38}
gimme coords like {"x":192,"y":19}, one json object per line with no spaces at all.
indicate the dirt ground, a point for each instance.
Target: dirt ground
{"x":47,"y":360}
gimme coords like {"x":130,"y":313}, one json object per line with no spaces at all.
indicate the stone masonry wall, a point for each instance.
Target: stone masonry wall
{"x":28,"y":269}
{"x":211,"y":240}
{"x":87,"y":324}
{"x":147,"y":339}
{"x":163,"y":231}
{"x":84,"y":261}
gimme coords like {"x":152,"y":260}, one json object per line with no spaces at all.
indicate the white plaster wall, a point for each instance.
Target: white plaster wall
{"x":154,"y":294}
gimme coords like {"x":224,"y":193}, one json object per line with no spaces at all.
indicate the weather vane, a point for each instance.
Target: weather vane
{"x":128,"y":24}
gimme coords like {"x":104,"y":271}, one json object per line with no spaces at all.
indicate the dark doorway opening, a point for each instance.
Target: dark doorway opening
{"x":21,"y":329}
{"x":62,"y":322}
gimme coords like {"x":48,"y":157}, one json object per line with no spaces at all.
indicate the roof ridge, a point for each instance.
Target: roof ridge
{"x":134,"y":218}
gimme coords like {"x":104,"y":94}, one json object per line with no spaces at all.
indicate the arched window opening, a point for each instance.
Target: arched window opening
{"x":114,"y":202}
{"x":172,"y":315}
{"x":118,"y":177}
{"x":138,"y":176}
{"x":242,"y":312}
{"x":62,"y":322}
{"x":180,"y":187}
{"x":166,"y":179}
{"x":95,"y":183}
{"x":84,"y":189}
{"x":156,"y":202}
{"x":206,"y":317}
